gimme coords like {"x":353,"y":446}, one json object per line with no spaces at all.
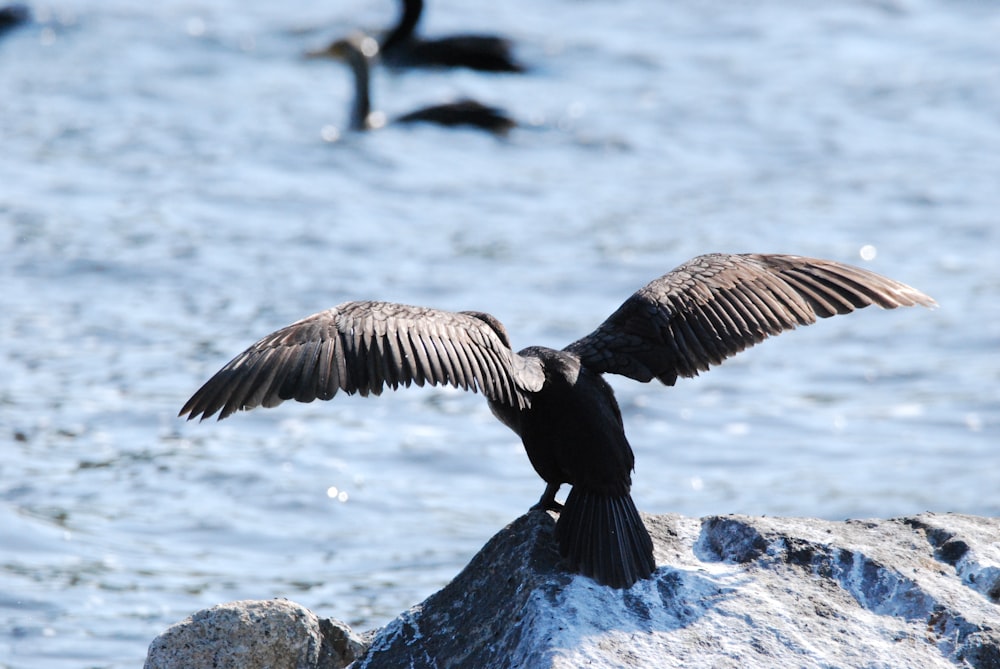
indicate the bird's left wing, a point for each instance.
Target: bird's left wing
{"x":716,"y":305}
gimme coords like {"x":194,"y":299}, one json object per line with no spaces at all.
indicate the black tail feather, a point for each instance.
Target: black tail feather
{"x":603,"y":537}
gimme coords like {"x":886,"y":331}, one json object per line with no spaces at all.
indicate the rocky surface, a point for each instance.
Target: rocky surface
{"x":730,"y":591}
{"x":277,"y":634}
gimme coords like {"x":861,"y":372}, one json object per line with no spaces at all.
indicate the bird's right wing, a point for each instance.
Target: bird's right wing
{"x":361,"y":347}
{"x":716,"y":305}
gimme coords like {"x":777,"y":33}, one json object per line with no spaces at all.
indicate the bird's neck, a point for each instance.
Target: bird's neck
{"x":362,"y":97}
{"x":407,"y":24}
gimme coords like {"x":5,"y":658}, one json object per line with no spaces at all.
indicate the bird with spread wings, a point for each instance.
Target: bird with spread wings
{"x":678,"y":325}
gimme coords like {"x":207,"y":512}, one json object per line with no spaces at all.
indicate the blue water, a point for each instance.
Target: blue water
{"x":167,"y":197}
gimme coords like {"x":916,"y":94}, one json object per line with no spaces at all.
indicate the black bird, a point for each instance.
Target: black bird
{"x":402,"y":48}
{"x":701,"y":313}
{"x":13,"y":15}
{"x":358,"y":50}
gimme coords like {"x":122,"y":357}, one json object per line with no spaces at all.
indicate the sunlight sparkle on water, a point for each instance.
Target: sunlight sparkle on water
{"x":377,"y":119}
{"x":973,"y":422}
{"x":195,"y":26}
{"x":329,"y":133}
{"x":906,"y":410}
{"x":333,"y":493}
{"x":737,"y":429}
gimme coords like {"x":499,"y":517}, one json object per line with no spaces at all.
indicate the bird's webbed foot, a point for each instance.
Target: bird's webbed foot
{"x":548,"y":500}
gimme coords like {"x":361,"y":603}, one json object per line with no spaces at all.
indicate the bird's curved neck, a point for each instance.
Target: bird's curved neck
{"x":362,"y":106}
{"x":407,"y":24}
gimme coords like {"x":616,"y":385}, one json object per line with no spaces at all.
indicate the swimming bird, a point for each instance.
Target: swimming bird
{"x":678,"y":325}
{"x":13,"y":15}
{"x":357,"y":51}
{"x":402,"y":48}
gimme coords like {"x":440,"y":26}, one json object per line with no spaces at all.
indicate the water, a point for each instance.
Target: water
{"x":166,"y":198}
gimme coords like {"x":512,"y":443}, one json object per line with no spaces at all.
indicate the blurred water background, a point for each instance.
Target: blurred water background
{"x":167,"y":197}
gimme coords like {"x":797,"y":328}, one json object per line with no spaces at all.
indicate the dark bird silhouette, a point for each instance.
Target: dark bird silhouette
{"x":401,"y":47}
{"x":13,"y":15}
{"x":701,"y":313}
{"x":358,"y":50}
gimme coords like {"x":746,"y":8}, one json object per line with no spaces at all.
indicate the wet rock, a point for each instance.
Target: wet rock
{"x":274,"y":634}
{"x":730,"y":591}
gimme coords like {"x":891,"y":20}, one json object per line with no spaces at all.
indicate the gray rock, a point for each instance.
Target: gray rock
{"x":274,"y":634}
{"x":731,"y":591}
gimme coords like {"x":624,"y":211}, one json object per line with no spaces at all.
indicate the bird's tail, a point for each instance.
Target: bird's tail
{"x":602,"y":536}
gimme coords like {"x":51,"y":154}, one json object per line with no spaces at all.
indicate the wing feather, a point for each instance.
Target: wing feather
{"x":459,"y":346}
{"x":364,"y":347}
{"x":328,"y":378}
{"x":498,"y":382}
{"x":421,"y":363}
{"x":442,"y":366}
{"x":716,"y":305}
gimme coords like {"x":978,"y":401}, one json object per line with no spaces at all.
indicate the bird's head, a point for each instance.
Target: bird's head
{"x":355,"y":45}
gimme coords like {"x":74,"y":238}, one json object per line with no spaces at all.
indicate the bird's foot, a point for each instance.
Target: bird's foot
{"x":548,"y":500}
{"x":550,"y":506}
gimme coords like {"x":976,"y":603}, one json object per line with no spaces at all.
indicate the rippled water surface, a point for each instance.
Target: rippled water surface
{"x":167,"y":197}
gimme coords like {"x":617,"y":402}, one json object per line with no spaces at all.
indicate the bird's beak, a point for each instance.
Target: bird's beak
{"x":321,"y":53}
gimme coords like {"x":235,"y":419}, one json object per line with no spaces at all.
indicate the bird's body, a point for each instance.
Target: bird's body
{"x":556,"y":400}
{"x":475,"y":52}
{"x":572,"y":429}
{"x":358,"y":50}
{"x":14,"y":15}
{"x":464,"y":112}
{"x":573,"y":434}
{"x":401,"y":47}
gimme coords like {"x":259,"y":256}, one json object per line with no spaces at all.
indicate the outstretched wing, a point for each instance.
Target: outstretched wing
{"x":716,"y":305}
{"x":361,"y":347}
